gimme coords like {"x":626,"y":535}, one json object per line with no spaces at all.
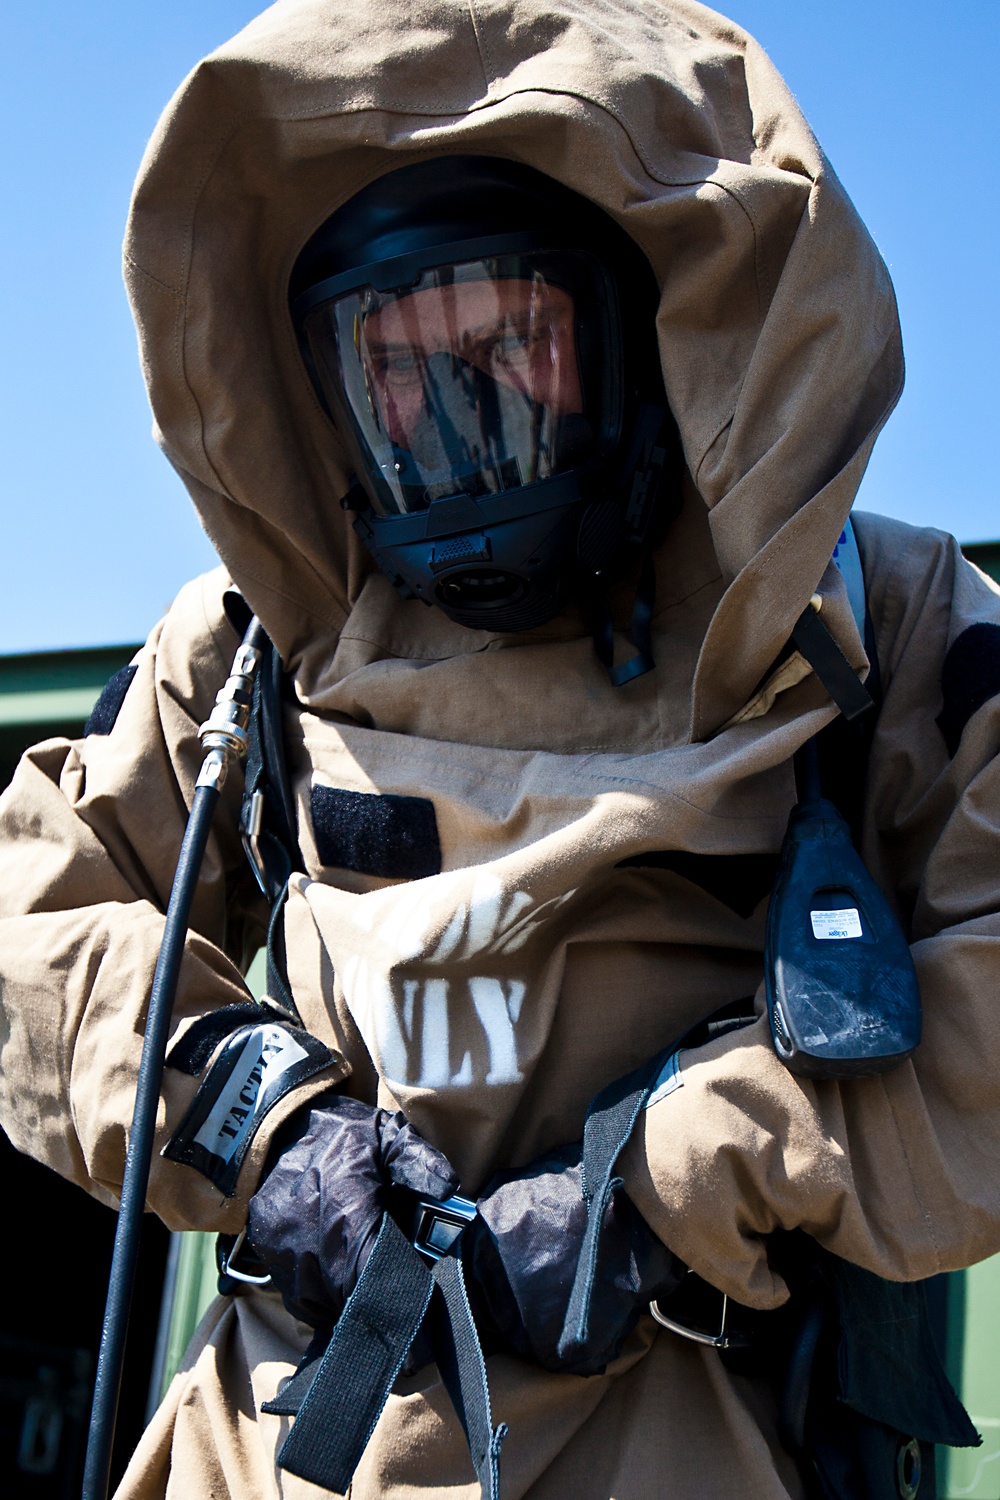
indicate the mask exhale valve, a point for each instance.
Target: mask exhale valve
{"x":842,"y":993}
{"x":223,"y":736}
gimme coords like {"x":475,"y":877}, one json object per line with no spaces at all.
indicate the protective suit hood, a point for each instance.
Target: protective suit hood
{"x":777,"y":324}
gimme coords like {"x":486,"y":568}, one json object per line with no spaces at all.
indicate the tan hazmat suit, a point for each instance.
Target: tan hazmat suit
{"x":492,"y":999}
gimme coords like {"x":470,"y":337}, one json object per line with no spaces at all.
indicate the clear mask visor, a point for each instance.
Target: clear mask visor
{"x":474,"y":380}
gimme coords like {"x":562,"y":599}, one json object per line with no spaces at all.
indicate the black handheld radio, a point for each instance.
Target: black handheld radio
{"x":842,"y":993}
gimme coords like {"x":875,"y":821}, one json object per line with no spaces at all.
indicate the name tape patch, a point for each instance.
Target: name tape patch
{"x":257,"y":1066}
{"x":836,"y":924}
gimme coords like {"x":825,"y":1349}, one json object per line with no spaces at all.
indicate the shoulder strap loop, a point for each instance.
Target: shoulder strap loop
{"x":831,"y":666}
{"x":267,"y":818}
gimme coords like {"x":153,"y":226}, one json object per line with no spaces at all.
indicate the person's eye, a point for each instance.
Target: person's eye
{"x":516,"y":342}
{"x":399,"y":367}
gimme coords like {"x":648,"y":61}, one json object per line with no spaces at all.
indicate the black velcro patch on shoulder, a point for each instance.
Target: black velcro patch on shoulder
{"x":970,"y":677}
{"x":375,"y":834}
{"x":108,"y":706}
{"x":739,"y":881}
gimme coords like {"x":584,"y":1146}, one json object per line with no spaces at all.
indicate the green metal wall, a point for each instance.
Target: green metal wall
{"x":50,"y":693}
{"x":973,"y":1361}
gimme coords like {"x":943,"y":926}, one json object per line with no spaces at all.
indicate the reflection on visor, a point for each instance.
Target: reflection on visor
{"x":467,"y":382}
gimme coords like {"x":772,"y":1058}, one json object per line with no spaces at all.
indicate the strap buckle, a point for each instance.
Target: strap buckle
{"x":437,"y":1225}
{"x":704,"y":1315}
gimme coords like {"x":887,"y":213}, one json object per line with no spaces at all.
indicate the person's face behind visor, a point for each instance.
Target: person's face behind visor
{"x":468,"y":382}
{"x":518,"y":333}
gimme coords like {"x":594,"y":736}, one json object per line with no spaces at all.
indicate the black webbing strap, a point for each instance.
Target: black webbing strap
{"x":463,"y":1370}
{"x":610,"y":1121}
{"x":602,"y":629}
{"x":611,"y":1118}
{"x":363,"y":1358}
{"x":831,"y":666}
{"x":278,"y":988}
{"x":288,"y":1401}
{"x":844,"y":749}
{"x":267,"y":818}
{"x":338,"y":1392}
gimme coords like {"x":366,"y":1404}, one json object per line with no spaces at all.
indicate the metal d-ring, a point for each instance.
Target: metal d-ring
{"x":720,"y":1340}
{"x":908,"y":1469}
{"x":228,"y":1268}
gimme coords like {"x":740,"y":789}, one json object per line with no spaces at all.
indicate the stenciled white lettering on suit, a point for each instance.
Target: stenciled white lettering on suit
{"x":409,"y":1019}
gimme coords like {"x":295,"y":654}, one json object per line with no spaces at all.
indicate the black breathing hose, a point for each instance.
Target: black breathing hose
{"x":223,"y":736}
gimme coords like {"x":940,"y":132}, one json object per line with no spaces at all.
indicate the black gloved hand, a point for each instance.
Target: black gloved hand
{"x":315,"y":1218}
{"x":520,"y":1255}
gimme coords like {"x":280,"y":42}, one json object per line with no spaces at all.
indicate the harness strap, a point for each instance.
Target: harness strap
{"x":276,"y":971}
{"x":369,"y":1343}
{"x":288,"y":1401}
{"x":267,"y":819}
{"x":611,"y":1118}
{"x":463,"y":1370}
{"x":337,"y":1394}
{"x":610,"y":1121}
{"x":831,"y":666}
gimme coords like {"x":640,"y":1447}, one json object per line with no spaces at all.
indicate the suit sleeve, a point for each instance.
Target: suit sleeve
{"x":89,"y":836}
{"x":896,"y":1173}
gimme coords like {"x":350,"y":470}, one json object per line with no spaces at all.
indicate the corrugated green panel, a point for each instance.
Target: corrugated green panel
{"x":48,"y":693}
{"x":33,"y":681}
{"x":974,"y":1365}
{"x":193,"y":1290}
{"x":48,"y":706}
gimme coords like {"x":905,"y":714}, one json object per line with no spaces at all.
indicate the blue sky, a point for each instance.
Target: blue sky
{"x":98,"y":532}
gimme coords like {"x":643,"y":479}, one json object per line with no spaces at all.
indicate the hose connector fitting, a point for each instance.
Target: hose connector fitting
{"x":224,"y":733}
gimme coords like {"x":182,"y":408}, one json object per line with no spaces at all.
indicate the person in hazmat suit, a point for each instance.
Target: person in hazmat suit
{"x":553,"y":318}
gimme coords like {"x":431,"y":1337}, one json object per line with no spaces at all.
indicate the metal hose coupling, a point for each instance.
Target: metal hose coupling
{"x":224,"y":733}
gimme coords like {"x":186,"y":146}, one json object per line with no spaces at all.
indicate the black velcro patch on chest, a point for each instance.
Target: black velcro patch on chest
{"x":108,"y":706}
{"x":739,"y":881}
{"x":970,"y":677}
{"x":375,"y":834}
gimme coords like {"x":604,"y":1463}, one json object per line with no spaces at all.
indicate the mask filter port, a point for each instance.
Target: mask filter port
{"x":481,"y":588}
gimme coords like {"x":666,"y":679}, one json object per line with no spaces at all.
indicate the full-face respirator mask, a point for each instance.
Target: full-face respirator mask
{"x":484,"y":340}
